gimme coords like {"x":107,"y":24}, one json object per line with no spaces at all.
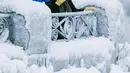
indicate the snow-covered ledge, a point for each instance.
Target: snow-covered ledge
{"x":37,"y":21}
{"x":89,"y":52}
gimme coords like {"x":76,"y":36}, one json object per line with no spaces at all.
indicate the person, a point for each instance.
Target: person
{"x":51,"y":4}
{"x":38,"y":0}
{"x":58,"y":6}
{"x":63,"y":6}
{"x":73,"y":7}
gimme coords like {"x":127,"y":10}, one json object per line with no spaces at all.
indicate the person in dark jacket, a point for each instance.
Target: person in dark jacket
{"x":63,"y":6}
{"x":67,"y":6}
{"x":51,"y":4}
{"x":58,"y":6}
{"x":73,"y":7}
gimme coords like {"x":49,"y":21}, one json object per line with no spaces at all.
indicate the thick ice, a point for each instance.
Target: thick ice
{"x":124,"y":57}
{"x":90,"y":50}
{"x":90,"y":55}
{"x":38,"y":21}
{"x":15,"y":60}
{"x":14,"y":54}
{"x":114,"y":11}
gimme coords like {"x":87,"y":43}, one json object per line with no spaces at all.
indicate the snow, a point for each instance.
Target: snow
{"x":87,"y":55}
{"x":14,"y":54}
{"x":79,"y":47}
{"x":114,"y":11}
{"x":11,"y":58}
{"x":15,"y":60}
{"x":78,"y":70}
{"x":38,"y":21}
{"x":90,"y":50}
{"x":115,"y":69}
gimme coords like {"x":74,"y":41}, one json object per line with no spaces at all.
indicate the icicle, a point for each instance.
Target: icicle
{"x":82,"y":63}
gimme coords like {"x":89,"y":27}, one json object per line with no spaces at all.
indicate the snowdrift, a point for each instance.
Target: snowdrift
{"x":38,"y":22}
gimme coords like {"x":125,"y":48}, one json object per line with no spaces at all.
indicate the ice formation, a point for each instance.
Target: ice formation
{"x":38,"y":22}
{"x":93,"y":51}
{"x":114,"y":11}
{"x":90,"y":50}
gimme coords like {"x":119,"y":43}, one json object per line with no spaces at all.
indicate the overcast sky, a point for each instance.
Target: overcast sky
{"x":126,"y":4}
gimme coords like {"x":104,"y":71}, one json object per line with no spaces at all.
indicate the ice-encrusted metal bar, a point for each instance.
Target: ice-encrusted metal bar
{"x":72,"y":13}
{"x":2,"y":15}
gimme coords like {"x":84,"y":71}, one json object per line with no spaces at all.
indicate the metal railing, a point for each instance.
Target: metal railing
{"x":71,"y":25}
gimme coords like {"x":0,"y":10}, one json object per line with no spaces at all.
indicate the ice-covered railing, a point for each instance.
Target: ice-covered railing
{"x":3,"y":15}
{"x":4,"y":27}
{"x":70,"y":25}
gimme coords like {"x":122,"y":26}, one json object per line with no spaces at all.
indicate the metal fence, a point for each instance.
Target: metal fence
{"x":70,"y":25}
